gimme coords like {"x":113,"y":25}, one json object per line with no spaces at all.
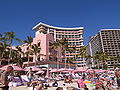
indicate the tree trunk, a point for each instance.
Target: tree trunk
{"x":98,"y":65}
{"x":35,"y":59}
{"x":65,"y":59}
{"x":58,"y":60}
{"x":10,"y":57}
{"x":28,"y":60}
{"x":0,"y":62}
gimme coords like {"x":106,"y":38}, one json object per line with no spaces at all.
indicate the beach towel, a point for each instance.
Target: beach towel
{"x":80,"y":83}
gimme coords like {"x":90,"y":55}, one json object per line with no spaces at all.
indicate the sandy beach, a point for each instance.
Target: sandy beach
{"x":60,"y":84}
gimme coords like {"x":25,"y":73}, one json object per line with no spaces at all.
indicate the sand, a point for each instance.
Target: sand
{"x":60,"y":84}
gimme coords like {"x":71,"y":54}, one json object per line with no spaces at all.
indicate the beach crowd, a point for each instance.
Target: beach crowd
{"x":85,"y":80}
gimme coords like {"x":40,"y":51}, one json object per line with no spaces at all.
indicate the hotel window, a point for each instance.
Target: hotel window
{"x":38,"y":43}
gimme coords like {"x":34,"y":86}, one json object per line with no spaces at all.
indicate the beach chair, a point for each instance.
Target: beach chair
{"x":15,"y":82}
{"x":73,"y":75}
{"x":25,"y":79}
{"x":77,"y":75}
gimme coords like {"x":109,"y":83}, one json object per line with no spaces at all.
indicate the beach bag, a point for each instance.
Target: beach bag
{"x":55,"y":84}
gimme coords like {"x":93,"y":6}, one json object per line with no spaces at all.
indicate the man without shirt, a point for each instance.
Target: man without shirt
{"x":5,"y":79}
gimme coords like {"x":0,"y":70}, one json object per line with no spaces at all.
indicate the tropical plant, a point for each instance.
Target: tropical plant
{"x":64,"y":44}
{"x":20,"y":54}
{"x":3,"y":46}
{"x":88,"y":60}
{"x":10,"y":37}
{"x":35,"y":50}
{"x":82,"y":53}
{"x":101,"y":58}
{"x":29,"y":44}
{"x":54,"y":46}
{"x":70,"y":59}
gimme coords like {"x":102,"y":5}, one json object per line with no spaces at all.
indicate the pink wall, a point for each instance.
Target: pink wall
{"x":44,"y":40}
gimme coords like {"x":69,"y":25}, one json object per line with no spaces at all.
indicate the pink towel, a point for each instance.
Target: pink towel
{"x":80,"y":82}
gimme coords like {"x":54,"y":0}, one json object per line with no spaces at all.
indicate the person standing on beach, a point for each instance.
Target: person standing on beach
{"x":117,"y":74}
{"x":5,"y":79}
{"x":30,"y":74}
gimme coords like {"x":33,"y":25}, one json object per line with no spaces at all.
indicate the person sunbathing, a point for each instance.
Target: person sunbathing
{"x":37,"y":84}
{"x":67,"y":80}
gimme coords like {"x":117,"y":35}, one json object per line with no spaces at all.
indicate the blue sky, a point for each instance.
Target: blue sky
{"x":20,"y":16}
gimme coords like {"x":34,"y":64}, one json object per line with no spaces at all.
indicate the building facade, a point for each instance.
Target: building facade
{"x":73,"y":35}
{"x":108,"y":41}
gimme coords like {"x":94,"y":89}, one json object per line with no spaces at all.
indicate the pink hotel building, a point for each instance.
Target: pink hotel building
{"x":46,"y":34}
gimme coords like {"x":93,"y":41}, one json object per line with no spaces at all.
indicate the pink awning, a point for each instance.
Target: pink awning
{"x":14,"y":67}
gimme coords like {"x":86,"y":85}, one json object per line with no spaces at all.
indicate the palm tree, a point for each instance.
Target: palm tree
{"x":3,"y":47}
{"x":70,"y":50}
{"x":20,"y":54}
{"x":98,"y":58}
{"x":29,"y":44}
{"x":35,"y":50}
{"x":101,"y":58}
{"x":76,"y":55}
{"x":115,"y":58}
{"x":10,"y":37}
{"x":64,"y":44}
{"x":82,"y":53}
{"x":54,"y":46}
{"x":88,"y":59}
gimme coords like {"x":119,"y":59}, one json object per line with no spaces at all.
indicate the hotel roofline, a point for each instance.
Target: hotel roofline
{"x":76,"y":28}
{"x":100,"y":31}
{"x":108,"y":29}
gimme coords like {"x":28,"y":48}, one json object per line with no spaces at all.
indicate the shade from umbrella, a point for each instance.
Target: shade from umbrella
{"x":16,"y":68}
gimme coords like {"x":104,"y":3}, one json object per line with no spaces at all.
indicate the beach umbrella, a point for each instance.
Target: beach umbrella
{"x":16,"y":68}
{"x":54,"y":70}
{"x":90,"y":70}
{"x":33,"y":69}
{"x":79,"y":70}
{"x":39,"y":72}
{"x":101,"y":70}
{"x":65,"y":70}
{"x":85,"y":68}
